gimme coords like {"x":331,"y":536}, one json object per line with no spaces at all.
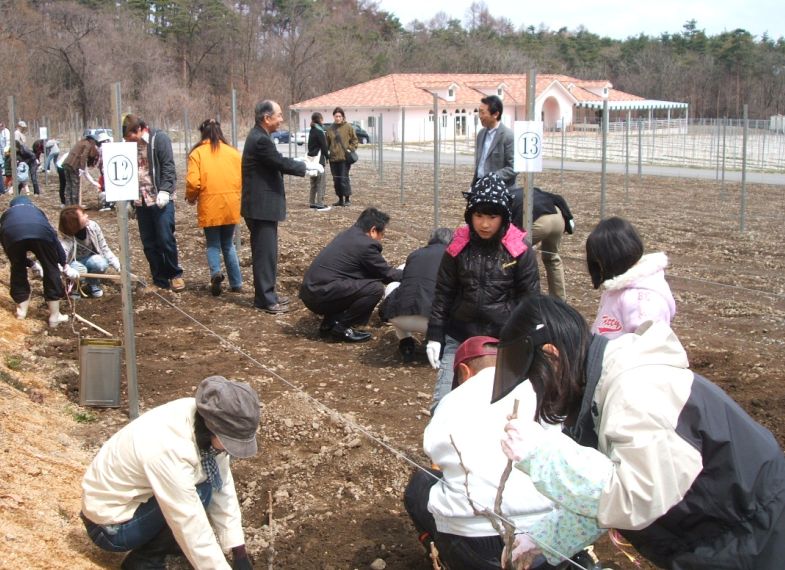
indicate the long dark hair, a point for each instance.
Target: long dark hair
{"x":204,"y":437}
{"x":559,"y":381}
{"x":211,"y":130}
{"x":612,"y":247}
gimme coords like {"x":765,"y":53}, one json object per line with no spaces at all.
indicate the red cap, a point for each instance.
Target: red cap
{"x":473,"y":347}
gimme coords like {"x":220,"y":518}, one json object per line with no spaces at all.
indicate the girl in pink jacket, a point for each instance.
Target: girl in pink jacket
{"x":633,"y":284}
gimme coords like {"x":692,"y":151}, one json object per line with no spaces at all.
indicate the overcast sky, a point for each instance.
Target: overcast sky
{"x":614,"y":18}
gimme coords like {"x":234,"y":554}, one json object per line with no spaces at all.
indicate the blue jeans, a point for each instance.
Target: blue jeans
{"x":156,"y":230}
{"x":445,"y":374}
{"x":220,"y":239}
{"x":148,"y":521}
{"x":50,"y":158}
{"x":91,"y":264}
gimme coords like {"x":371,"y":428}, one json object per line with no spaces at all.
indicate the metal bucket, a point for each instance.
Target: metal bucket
{"x":99,"y":372}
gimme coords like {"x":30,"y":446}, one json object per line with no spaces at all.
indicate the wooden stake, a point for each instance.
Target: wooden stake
{"x":95,"y":326}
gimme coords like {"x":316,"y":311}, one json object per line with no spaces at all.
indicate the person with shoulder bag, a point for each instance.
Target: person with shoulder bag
{"x":342,"y":142}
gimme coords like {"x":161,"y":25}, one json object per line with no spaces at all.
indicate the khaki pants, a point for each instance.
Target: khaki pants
{"x":547,"y":231}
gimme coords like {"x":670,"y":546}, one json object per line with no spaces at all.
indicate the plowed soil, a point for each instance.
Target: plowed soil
{"x":325,"y":490}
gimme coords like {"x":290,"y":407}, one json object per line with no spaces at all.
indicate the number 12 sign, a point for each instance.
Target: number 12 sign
{"x":528,"y":146}
{"x":121,"y":173}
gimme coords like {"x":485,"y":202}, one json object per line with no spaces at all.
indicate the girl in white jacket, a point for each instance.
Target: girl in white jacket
{"x":85,"y":247}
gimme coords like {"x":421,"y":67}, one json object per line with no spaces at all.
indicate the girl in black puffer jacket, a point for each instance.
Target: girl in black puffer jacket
{"x":487,"y":268}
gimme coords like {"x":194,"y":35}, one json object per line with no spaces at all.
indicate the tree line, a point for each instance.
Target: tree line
{"x":62,"y":56}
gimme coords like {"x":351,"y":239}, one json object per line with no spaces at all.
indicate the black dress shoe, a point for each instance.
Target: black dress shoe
{"x":347,"y":334}
{"x":276,"y":309}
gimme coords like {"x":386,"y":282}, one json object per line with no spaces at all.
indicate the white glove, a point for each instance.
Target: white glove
{"x":162,"y":199}
{"x":314,"y":169}
{"x":37,"y":269}
{"x":300,"y":159}
{"x":70,"y":273}
{"x":524,"y":550}
{"x":433,"y":349}
{"x":520,"y":436}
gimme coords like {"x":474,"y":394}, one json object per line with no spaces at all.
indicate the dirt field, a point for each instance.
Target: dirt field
{"x":336,"y":493}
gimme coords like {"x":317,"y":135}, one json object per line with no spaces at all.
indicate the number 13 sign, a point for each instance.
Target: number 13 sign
{"x":528,"y":146}
{"x":121,"y":173}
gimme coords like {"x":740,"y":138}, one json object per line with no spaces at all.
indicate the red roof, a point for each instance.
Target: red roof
{"x":416,"y":90}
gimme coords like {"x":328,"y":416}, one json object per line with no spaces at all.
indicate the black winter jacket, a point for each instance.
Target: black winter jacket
{"x":544,"y":203}
{"x":317,"y":143}
{"x":23,"y":221}
{"x":476,"y":290}
{"x":415,"y":294}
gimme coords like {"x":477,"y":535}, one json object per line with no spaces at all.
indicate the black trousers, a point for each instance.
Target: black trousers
{"x":456,"y":552}
{"x":341,"y":182}
{"x":264,"y":258}
{"x":355,"y":309}
{"x":47,"y":255}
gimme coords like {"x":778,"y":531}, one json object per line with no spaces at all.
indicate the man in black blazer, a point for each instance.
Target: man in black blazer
{"x":494,"y":151}
{"x":263,"y":202}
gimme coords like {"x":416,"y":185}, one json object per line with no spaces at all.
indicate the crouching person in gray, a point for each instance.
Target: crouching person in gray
{"x":162,"y":483}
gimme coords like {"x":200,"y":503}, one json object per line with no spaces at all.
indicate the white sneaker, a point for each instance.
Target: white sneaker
{"x":324,"y":209}
{"x":96,"y":292}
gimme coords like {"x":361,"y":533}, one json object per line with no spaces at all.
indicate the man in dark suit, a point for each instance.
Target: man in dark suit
{"x":263,"y":202}
{"x":344,"y":282}
{"x":494,"y":151}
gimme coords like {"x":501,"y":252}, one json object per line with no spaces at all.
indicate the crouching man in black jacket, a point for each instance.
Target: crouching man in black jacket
{"x":346,"y":280}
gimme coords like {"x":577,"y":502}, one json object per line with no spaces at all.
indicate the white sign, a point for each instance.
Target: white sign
{"x":121,"y":172}
{"x":43,"y":133}
{"x":528,"y":146}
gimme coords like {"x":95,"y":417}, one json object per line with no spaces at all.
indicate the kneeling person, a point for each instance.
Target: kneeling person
{"x":345,"y":281}
{"x":85,"y":247}
{"x":160,"y":483}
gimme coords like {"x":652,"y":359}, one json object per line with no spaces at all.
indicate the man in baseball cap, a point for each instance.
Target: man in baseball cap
{"x":162,"y":485}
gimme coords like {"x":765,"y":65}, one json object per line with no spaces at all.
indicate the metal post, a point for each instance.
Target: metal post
{"x":435,"y":161}
{"x":236,"y":237}
{"x":561,"y":168}
{"x":187,"y":137}
{"x":640,"y":149}
{"x":454,"y":144}
{"x":604,"y":155}
{"x":125,"y":278}
{"x":722,"y":184}
{"x":12,"y":143}
{"x":528,"y":192}
{"x":627,"y":157}
{"x":403,"y":145}
{"x":381,"y":148}
{"x":744,"y":170}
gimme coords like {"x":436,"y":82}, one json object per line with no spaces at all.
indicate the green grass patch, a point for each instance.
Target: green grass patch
{"x":13,"y":362}
{"x":81,"y":416}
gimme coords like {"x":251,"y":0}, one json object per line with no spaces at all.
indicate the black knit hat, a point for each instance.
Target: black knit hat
{"x":491,"y":190}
